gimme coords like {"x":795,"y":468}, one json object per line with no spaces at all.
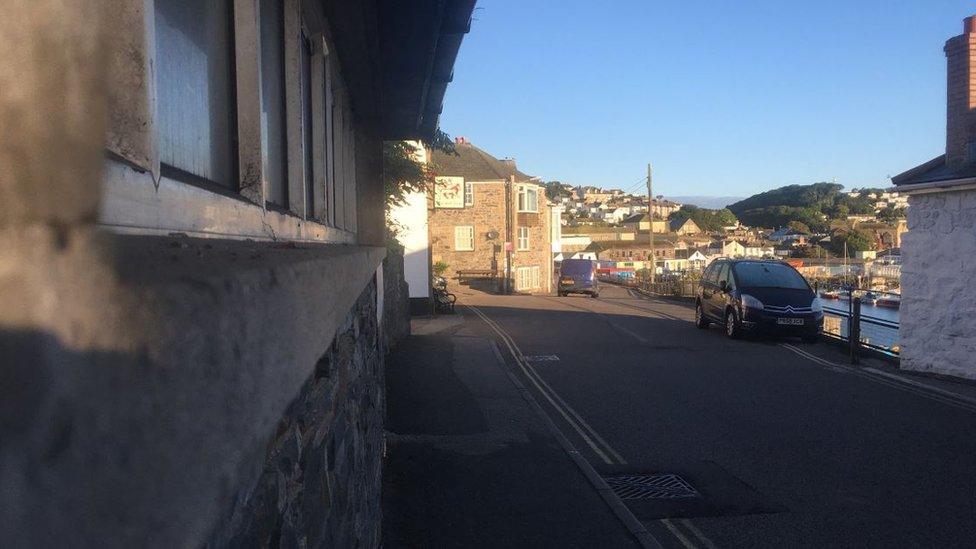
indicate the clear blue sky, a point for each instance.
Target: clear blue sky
{"x":725,"y":98}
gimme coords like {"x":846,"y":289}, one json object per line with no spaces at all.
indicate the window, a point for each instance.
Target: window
{"x":468,"y":194}
{"x":195,"y":87}
{"x":464,"y":239}
{"x":528,"y":199}
{"x":274,"y":140}
{"x":527,"y":278}
{"x":523,"y":238}
{"x":307,"y":170}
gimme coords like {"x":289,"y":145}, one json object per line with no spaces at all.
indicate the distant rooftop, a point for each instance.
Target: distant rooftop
{"x":474,"y":164}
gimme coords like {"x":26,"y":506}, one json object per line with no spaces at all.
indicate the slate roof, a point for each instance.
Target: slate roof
{"x":474,"y":164}
{"x":933,"y":171}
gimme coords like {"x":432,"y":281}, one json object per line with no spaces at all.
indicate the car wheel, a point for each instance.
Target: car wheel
{"x":700,"y":321}
{"x":732,"y":327}
{"x":594,"y":296}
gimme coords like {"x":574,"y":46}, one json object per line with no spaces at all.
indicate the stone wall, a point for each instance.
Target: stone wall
{"x":938,"y":313}
{"x":396,"y":296}
{"x":320,"y":481}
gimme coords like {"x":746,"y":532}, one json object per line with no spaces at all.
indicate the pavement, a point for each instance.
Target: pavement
{"x":709,"y":442}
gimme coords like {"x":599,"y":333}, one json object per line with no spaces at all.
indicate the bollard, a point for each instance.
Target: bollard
{"x":854,"y":328}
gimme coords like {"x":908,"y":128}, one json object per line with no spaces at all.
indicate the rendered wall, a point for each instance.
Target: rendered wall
{"x":938,"y":311}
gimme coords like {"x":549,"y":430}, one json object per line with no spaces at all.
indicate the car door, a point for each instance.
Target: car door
{"x":710,"y":288}
{"x":724,"y":297}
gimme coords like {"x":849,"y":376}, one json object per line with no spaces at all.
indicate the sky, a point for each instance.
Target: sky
{"x":724,"y":98}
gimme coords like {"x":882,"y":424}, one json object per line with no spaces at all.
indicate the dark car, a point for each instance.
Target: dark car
{"x":578,"y":276}
{"x":758,"y":296}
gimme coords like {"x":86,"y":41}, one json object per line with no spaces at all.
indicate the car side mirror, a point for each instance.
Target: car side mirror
{"x":723,"y":285}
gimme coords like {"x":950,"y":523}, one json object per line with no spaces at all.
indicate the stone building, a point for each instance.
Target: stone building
{"x":194,"y":301}
{"x":938,"y":311}
{"x":484,"y":211}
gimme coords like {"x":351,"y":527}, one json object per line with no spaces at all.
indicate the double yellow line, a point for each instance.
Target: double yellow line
{"x":596,"y":443}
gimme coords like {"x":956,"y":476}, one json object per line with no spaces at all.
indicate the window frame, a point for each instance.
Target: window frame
{"x":523,"y":198}
{"x":468,"y":194}
{"x":522,"y":234}
{"x":470,"y":238}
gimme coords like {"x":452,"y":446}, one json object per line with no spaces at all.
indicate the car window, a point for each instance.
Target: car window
{"x":727,"y":275}
{"x":711,"y":274}
{"x":769,"y":275}
{"x":724,"y":273}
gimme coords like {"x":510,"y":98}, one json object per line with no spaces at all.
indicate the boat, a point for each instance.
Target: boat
{"x":830,"y":294}
{"x":889,"y":301}
{"x":869,"y":298}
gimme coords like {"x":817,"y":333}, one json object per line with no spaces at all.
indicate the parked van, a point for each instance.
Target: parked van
{"x":578,"y":276}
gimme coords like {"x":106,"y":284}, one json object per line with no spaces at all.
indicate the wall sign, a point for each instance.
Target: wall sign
{"x":448,"y":192}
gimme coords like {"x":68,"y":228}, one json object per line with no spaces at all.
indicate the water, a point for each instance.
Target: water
{"x":873,"y":311}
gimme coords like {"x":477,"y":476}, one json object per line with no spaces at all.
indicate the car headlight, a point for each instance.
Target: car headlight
{"x":749,"y":302}
{"x":817,"y":305}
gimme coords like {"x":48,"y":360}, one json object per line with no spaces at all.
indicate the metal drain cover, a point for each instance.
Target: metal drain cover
{"x":659,"y":486}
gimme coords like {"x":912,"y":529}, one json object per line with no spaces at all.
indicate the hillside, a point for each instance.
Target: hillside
{"x":813,"y":205}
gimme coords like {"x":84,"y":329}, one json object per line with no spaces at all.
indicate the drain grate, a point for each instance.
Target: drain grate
{"x":660,"y":486}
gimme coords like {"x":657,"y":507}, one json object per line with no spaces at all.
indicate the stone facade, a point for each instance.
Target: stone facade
{"x":320,"y":482}
{"x":938,"y":314}
{"x":488,"y":213}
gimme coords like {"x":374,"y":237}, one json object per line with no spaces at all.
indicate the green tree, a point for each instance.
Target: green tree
{"x":799,"y":226}
{"x":857,"y":241}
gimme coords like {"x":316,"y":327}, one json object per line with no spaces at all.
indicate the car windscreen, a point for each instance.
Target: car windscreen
{"x":576,"y":267}
{"x":769,"y":275}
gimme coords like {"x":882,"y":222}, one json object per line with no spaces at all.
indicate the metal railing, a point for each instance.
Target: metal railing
{"x":867,"y":331}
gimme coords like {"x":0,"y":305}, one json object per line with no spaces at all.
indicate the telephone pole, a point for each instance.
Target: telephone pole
{"x":650,"y":227}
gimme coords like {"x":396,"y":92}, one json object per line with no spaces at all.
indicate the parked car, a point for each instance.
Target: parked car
{"x":758,"y":296}
{"x":578,"y":276}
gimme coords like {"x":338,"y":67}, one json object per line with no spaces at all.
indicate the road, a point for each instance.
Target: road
{"x":781,"y":444}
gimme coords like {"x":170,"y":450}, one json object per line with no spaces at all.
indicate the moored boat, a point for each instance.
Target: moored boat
{"x":890,"y":301}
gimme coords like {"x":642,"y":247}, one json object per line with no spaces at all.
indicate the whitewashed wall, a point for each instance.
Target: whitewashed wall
{"x":938,"y":313}
{"x":412,"y":233}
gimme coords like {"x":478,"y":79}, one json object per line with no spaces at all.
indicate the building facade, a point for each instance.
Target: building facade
{"x":486,"y":215}
{"x":938,"y":311}
{"x":195,"y":305}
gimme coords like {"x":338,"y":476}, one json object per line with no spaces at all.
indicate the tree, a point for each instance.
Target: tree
{"x":707,"y":220}
{"x":404,"y":174}
{"x":857,"y":241}
{"x":799,"y":226}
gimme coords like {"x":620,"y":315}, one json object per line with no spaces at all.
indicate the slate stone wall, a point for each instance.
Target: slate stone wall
{"x":320,"y":481}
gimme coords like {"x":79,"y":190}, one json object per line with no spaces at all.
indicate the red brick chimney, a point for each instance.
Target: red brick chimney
{"x":961,"y":100}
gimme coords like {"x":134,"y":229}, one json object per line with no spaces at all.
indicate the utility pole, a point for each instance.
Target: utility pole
{"x":650,"y":217}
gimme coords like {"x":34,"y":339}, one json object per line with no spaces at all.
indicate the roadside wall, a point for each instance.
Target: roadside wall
{"x":938,"y":312}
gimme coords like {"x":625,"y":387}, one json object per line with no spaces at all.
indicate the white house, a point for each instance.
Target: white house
{"x":938,"y":312}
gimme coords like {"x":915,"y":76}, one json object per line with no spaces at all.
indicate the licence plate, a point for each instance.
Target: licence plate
{"x":790,"y":321}
{"x":566,"y":280}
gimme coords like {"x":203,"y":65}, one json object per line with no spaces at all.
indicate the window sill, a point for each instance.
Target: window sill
{"x":133,"y":203}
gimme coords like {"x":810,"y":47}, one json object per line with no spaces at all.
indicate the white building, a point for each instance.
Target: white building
{"x":938,"y":312}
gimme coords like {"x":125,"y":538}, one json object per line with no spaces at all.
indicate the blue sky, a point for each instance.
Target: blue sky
{"x":725,"y":98}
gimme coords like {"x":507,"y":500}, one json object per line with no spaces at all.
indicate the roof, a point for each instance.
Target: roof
{"x":934,"y":171}
{"x":637,"y":217}
{"x":418,"y":42}
{"x":474,"y":164}
{"x":679,"y":222}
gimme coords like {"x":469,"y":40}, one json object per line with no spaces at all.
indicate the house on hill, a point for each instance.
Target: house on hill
{"x":488,"y":216}
{"x":684,"y":226}
{"x":938,"y":320}
{"x":641,"y":222}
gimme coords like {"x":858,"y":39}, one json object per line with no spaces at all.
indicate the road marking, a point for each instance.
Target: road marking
{"x":565,"y":410}
{"x":698,"y":533}
{"x":589,"y":435}
{"x":677,"y":534}
{"x":542,"y":358}
{"x":619,"y":509}
{"x":905,"y":385}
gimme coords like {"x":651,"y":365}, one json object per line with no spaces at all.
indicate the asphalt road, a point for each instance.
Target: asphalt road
{"x":782,"y":445}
